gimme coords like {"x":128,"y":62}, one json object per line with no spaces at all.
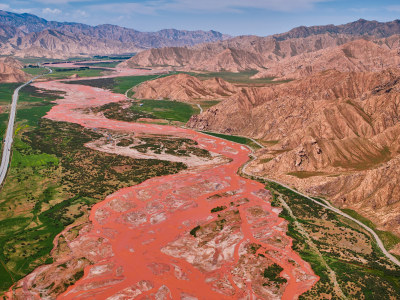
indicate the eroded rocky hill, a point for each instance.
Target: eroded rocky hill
{"x":262,"y":53}
{"x":186,"y":88}
{"x":333,"y":134}
{"x":10,"y":71}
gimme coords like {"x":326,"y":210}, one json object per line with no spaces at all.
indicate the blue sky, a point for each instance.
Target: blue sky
{"x":235,"y":17}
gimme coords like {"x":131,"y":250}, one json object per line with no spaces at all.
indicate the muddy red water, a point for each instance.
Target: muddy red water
{"x":146,"y":250}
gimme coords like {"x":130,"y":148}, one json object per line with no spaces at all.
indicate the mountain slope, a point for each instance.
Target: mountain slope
{"x":333,"y":134}
{"x":360,"y":55}
{"x":360,"y":27}
{"x":22,"y":34}
{"x":258,"y":53}
{"x":10,"y":71}
{"x":184,"y":87}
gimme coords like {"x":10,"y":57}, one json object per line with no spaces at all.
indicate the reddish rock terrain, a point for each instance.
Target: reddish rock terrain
{"x":354,"y":56}
{"x":10,"y":71}
{"x":185,"y":88}
{"x":264,"y":53}
{"x":333,"y":134}
{"x":160,"y":240}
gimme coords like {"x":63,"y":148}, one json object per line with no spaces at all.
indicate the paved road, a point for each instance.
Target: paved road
{"x":327,"y":205}
{"x":8,"y":139}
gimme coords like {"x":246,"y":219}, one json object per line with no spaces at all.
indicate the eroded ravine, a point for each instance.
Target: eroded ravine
{"x":144,"y":248}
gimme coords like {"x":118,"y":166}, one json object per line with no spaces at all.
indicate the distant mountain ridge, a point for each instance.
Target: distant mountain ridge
{"x":258,"y":53}
{"x":29,"y":35}
{"x":360,"y":27}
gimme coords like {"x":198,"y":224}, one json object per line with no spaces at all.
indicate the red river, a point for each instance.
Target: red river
{"x":144,"y":229}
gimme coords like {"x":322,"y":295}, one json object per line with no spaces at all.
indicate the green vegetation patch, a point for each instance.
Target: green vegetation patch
{"x":6,"y":92}
{"x":104,"y":64}
{"x":166,"y":109}
{"x":171,"y":145}
{"x":35,"y":70}
{"x":151,"y":109}
{"x":53,"y":182}
{"x":361,"y":269}
{"x":272,"y":274}
{"x":92,"y":173}
{"x":33,"y":103}
{"x":218,"y":208}
{"x":194,"y":231}
{"x":62,"y":73}
{"x":117,"y":85}
{"x":234,"y":138}
{"x":368,"y":162}
{"x":208,"y":103}
{"x":243,"y":77}
{"x":389,"y":239}
{"x":121,"y":111}
{"x":306,"y":174}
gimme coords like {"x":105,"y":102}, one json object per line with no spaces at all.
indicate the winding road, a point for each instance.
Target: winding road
{"x":327,"y":205}
{"x":8,"y":139}
{"x":139,"y":239}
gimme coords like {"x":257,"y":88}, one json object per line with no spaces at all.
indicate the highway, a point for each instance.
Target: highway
{"x":9,"y":136}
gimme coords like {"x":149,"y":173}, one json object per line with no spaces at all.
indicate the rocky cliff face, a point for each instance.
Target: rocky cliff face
{"x":333,"y":134}
{"x":184,"y":87}
{"x":358,"y":56}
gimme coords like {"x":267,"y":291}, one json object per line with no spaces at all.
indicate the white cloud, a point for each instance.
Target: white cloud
{"x":22,"y":10}
{"x":4,"y":6}
{"x":77,"y":15}
{"x":148,"y":8}
{"x":80,"y":13}
{"x":49,"y":11}
{"x":55,"y":2}
{"x":238,"y":5}
{"x":364,"y":10}
{"x":193,"y":6}
{"x":393,"y":8}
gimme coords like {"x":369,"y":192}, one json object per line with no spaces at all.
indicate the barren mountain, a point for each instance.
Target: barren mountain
{"x":57,"y":44}
{"x":360,"y":27}
{"x":359,"y":55}
{"x":237,"y":54}
{"x":259,"y":53}
{"x":29,"y":35}
{"x":10,"y":71}
{"x":342,"y":126}
{"x":184,"y":87}
{"x":12,"y":62}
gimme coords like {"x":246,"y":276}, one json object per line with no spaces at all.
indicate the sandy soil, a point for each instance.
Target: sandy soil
{"x":190,"y":161}
{"x":153,"y":255}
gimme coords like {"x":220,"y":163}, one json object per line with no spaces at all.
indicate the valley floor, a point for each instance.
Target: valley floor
{"x":203,"y":233}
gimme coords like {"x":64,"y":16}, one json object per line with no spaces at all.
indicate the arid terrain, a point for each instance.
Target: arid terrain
{"x":264,"y":53}
{"x":10,"y":71}
{"x":184,"y":87}
{"x":342,"y":126}
{"x":204,"y":167}
{"x":174,"y":235}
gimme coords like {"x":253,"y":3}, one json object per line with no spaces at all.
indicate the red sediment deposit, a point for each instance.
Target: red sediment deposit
{"x":165,"y":242}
